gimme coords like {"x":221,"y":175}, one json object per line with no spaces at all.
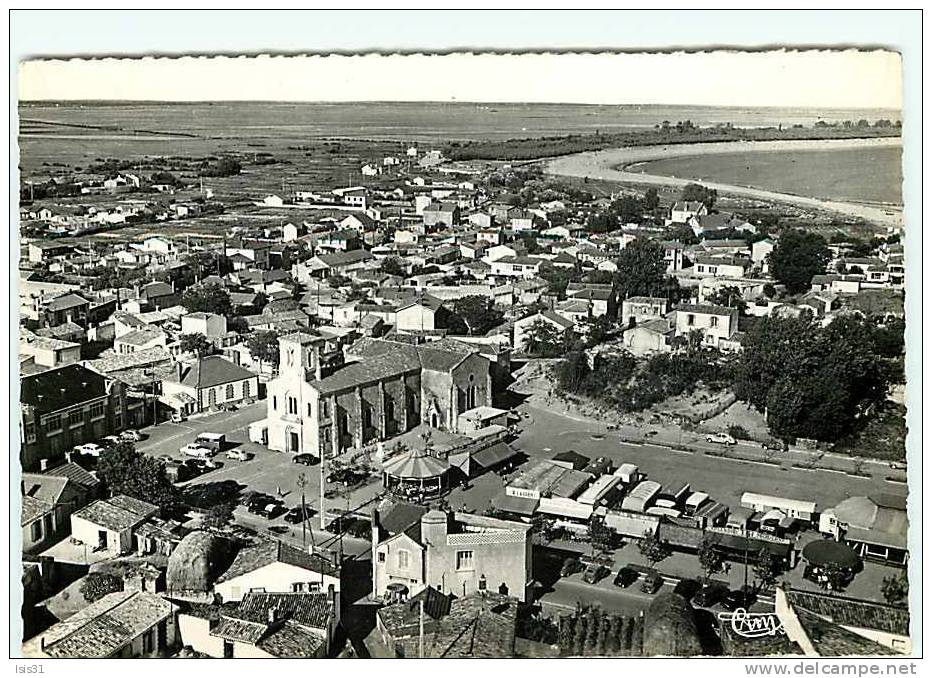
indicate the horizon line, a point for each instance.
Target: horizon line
{"x":439,"y":101}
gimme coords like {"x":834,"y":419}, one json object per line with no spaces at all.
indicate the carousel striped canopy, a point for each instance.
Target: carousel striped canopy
{"x":416,"y":464}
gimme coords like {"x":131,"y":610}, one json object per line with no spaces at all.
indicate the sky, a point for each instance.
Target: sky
{"x":812,"y":78}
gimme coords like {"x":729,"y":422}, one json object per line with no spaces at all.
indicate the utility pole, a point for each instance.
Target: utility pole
{"x":301,"y":482}
{"x":420,"y":639}
{"x":323,"y":478}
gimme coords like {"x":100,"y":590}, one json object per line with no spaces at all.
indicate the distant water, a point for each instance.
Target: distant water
{"x":417,"y":121}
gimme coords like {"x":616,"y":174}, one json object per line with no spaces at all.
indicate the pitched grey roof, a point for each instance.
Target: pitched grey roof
{"x":212,"y":371}
{"x":255,"y":557}
{"x":102,"y":628}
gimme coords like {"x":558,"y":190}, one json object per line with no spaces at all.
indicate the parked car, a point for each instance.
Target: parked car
{"x":258,"y":502}
{"x":111,"y":441}
{"x":741,"y":598}
{"x":239,"y":455}
{"x":721,"y":439}
{"x":306,"y":459}
{"x":92,"y":449}
{"x":131,"y":436}
{"x":594,"y":572}
{"x":196,"y":451}
{"x":625,"y":577}
{"x":295,"y":515}
{"x":177,"y":418}
{"x":570,"y":566}
{"x":652,"y":582}
{"x":271,"y":510}
{"x":708,"y":595}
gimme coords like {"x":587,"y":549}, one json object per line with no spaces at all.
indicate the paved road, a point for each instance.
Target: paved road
{"x":601,"y":165}
{"x":725,"y":478}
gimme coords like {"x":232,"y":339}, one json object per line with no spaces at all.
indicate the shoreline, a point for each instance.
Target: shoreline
{"x":613,"y":164}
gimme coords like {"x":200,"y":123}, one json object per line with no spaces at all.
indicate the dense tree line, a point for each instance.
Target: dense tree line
{"x":817,"y":382}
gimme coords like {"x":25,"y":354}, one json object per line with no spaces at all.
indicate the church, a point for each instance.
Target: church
{"x":381,"y":389}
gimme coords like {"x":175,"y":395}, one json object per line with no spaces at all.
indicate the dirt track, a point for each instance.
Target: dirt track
{"x":601,"y":164}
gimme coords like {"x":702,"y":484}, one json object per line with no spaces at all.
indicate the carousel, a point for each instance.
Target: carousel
{"x":416,"y":475}
{"x":825,"y":556}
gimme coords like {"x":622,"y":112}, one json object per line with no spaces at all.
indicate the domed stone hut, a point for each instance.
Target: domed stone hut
{"x":670,"y":627}
{"x":196,"y":563}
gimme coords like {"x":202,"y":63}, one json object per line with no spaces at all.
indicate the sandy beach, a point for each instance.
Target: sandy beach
{"x":608,"y":165}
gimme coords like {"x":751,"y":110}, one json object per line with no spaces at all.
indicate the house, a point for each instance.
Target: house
{"x":211,"y":325}
{"x":49,"y":499}
{"x":673,"y":256}
{"x":140,"y":340}
{"x":342,"y":240}
{"x":326,"y":265}
{"x":262,"y":625}
{"x":275,"y":567}
{"x":67,"y":308}
{"x":830,"y":625}
{"x":441,"y":214}
{"x":46,"y":353}
{"x":683,"y":211}
{"x":383,"y":389}
{"x":64,"y":407}
{"x":122,"y":625}
{"x":354,"y":196}
{"x":517,"y":266}
{"x":716,"y":324}
{"x":876,"y":527}
{"x":425,"y":313}
{"x":255,"y":254}
{"x":206,"y":383}
{"x":597,"y":297}
{"x":720,"y":266}
{"x":479,"y":625}
{"x":635,"y":310}
{"x":458,"y":553}
{"x":158,"y":294}
{"x":522,"y":328}
{"x":108,"y":524}
{"x":650,"y":336}
{"x":760,"y":254}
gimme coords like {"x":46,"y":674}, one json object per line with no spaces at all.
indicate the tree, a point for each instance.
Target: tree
{"x":710,"y":559}
{"x":123,"y":470}
{"x":601,"y":222}
{"x":393,"y":266}
{"x":796,"y":257}
{"x":543,"y":339}
{"x":96,"y":585}
{"x":769,"y":290}
{"x":195,"y":343}
{"x":209,"y":298}
{"x":601,"y":536}
{"x":699,"y":193}
{"x":812,"y":382}
{"x":729,"y":296}
{"x":219,"y":516}
{"x":628,"y":208}
{"x":652,"y":548}
{"x":895,"y":589}
{"x":572,"y":372}
{"x":263,"y":346}
{"x":651,"y":199}
{"x":642,"y":270}
{"x":766,"y":570}
{"x":478,"y":313}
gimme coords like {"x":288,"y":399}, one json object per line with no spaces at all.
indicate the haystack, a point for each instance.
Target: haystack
{"x":197,"y":561}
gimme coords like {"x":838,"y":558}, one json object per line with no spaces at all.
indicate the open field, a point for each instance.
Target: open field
{"x":604,"y":165}
{"x":872,"y":174}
